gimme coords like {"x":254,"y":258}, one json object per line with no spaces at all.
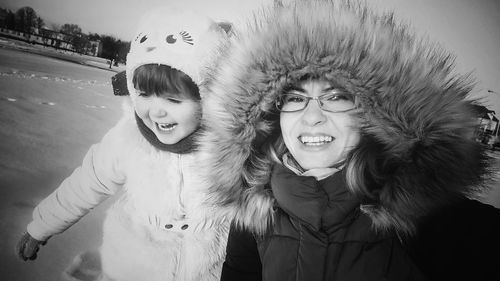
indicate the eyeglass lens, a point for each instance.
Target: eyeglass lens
{"x":333,"y":102}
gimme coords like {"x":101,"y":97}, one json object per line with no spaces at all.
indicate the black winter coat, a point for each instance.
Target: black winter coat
{"x":319,"y":233}
{"x":459,"y":242}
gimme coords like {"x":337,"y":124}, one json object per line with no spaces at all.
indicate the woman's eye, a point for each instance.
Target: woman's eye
{"x":293,"y":98}
{"x":143,"y":94}
{"x":338,"y":97}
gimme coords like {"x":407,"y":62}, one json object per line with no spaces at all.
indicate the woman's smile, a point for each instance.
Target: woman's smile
{"x":315,"y":140}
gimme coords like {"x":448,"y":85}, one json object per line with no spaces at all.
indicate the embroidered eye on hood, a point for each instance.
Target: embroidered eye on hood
{"x":184,"y":35}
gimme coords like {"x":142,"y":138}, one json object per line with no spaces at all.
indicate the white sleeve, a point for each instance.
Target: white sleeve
{"x":98,"y":177}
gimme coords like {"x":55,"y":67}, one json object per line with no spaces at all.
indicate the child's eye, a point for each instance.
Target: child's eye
{"x":172,"y":100}
{"x":143,"y":94}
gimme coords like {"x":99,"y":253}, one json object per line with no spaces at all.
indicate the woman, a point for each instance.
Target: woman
{"x":345,"y":131}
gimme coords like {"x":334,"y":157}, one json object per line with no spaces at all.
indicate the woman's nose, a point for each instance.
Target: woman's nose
{"x":313,"y":114}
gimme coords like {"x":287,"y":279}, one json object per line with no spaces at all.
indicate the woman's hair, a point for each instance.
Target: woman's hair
{"x":159,"y":79}
{"x":275,"y":149}
{"x":363,"y":165}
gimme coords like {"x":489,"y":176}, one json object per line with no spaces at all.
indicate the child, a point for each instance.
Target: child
{"x":159,"y":228}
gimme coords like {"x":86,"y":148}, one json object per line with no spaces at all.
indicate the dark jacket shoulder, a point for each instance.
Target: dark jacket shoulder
{"x":459,"y":242}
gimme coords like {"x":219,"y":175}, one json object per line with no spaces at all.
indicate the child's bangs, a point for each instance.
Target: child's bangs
{"x":162,"y":79}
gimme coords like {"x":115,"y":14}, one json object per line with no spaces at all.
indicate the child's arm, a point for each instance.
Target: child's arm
{"x":75,"y":197}
{"x":98,"y":177}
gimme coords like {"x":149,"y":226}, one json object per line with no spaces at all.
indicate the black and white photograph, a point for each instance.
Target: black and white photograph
{"x":266,"y":140}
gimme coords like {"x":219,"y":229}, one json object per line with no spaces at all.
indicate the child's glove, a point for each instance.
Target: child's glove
{"x":27,"y":247}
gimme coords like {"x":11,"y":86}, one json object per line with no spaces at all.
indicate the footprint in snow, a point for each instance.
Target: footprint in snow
{"x":47,"y":103}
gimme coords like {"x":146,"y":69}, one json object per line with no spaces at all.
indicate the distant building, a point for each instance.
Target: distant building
{"x":47,"y":37}
{"x":95,"y":48}
{"x":488,"y":124}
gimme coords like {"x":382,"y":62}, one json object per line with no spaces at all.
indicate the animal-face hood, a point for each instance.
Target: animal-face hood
{"x":416,"y":124}
{"x":181,"y":39}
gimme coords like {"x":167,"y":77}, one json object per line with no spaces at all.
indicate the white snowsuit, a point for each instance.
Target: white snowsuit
{"x":159,"y":228}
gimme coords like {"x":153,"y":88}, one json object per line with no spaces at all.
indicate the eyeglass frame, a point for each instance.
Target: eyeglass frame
{"x":318,"y":100}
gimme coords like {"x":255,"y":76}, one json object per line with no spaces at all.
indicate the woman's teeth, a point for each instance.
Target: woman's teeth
{"x":317,"y":140}
{"x":165,"y":126}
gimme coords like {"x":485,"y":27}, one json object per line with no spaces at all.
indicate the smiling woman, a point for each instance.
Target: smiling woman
{"x":345,"y":132}
{"x":317,"y":135}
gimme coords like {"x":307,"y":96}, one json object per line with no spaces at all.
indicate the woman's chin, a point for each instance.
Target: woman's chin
{"x":315,"y":159}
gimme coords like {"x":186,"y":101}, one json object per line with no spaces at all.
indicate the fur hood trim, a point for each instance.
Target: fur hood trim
{"x":417,"y":126}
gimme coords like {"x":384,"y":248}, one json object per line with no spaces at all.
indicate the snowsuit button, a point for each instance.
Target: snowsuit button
{"x":168,"y":226}
{"x":184,"y":227}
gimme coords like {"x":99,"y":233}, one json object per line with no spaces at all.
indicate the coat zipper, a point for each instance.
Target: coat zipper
{"x":180,"y":272}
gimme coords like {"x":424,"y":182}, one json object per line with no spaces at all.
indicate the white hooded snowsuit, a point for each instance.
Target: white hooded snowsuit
{"x":159,"y":228}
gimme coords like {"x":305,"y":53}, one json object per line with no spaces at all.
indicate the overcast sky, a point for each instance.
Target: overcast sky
{"x":468,"y":28}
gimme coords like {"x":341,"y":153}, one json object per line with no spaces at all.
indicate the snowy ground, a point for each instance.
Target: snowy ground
{"x":51,"y":111}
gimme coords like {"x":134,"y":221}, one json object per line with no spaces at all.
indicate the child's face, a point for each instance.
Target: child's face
{"x":170,"y":118}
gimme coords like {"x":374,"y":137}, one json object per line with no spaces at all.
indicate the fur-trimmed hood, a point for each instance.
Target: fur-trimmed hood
{"x":417,"y":126}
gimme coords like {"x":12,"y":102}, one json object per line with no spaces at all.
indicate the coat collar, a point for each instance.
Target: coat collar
{"x":322,"y":205}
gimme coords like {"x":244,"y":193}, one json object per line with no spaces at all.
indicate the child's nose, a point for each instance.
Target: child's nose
{"x":158,"y":111}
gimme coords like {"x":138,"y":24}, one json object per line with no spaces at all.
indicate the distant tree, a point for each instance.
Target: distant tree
{"x":10,"y":20}
{"x":71,"y":29}
{"x":39,"y":23}
{"x":26,"y":19}
{"x":94,"y":36}
{"x":114,"y":49}
{"x":123,"y":49}
{"x":73,"y":34}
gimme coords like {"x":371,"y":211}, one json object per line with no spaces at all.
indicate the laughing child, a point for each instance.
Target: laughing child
{"x":160,"y":227}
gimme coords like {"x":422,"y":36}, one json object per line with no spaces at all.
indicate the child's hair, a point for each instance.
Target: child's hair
{"x":159,"y":79}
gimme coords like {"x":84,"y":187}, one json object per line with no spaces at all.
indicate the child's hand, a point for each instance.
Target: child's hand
{"x":27,"y":247}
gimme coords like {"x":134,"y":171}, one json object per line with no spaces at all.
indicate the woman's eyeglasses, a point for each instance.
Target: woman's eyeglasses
{"x":331,"y":102}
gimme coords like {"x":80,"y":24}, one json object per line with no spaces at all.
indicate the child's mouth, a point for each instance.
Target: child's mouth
{"x":166,"y":127}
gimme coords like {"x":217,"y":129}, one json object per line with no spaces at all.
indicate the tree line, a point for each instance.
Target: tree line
{"x":26,"y":20}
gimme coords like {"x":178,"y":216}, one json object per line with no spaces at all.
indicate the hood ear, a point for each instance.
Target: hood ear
{"x":227,"y":27}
